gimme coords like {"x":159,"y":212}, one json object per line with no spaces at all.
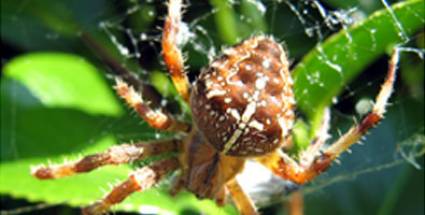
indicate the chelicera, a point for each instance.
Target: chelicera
{"x":243,"y":108}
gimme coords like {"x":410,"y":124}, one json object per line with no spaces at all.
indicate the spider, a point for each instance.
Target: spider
{"x":243,"y":108}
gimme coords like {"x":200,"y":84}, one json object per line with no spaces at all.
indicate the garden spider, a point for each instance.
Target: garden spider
{"x":243,"y":108}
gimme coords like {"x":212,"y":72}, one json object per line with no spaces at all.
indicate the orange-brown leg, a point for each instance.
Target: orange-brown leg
{"x":155,"y":118}
{"x":296,"y":203}
{"x":241,"y":200}
{"x":282,"y":165}
{"x":313,"y":150}
{"x":160,"y":118}
{"x":171,"y":53}
{"x":221,"y":197}
{"x":120,"y":154}
{"x":139,"y":180}
{"x":177,"y":185}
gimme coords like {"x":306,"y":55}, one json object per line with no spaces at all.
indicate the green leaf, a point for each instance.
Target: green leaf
{"x":57,"y":106}
{"x":323,"y":72}
{"x":64,"y":80}
{"x":225,"y":21}
{"x":253,"y":10}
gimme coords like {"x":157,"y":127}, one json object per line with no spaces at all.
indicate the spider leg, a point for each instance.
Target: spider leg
{"x":115,"y":155}
{"x":284,"y":166}
{"x":139,"y":180}
{"x":307,"y":156}
{"x":241,"y":200}
{"x":177,"y":185}
{"x":221,"y":197}
{"x":171,"y":52}
{"x":295,"y":204}
{"x":155,"y":118}
{"x":164,"y":120}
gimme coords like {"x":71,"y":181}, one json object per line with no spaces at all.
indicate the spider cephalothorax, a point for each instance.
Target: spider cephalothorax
{"x":243,"y":108}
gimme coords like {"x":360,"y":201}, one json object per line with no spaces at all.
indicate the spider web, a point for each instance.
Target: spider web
{"x":389,"y":153}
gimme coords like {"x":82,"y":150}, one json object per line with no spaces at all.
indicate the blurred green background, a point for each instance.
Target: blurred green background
{"x":57,"y":101}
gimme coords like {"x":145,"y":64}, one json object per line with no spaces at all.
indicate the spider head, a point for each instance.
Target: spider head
{"x":243,"y":102}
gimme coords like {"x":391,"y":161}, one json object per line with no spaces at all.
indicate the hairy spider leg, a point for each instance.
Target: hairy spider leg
{"x":313,"y":150}
{"x":170,"y":51}
{"x":115,"y":155}
{"x":241,"y":199}
{"x":138,"y":91}
{"x":285,"y":167}
{"x":221,"y":197}
{"x":155,"y":118}
{"x":177,"y":185}
{"x":295,"y":205}
{"x":139,"y":180}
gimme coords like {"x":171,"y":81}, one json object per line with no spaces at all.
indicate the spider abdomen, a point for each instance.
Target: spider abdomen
{"x":243,"y":102}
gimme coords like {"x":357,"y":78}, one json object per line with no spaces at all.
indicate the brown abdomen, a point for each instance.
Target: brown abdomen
{"x":243,"y":102}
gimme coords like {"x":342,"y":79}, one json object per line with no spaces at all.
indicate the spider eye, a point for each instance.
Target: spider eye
{"x":243,"y":102}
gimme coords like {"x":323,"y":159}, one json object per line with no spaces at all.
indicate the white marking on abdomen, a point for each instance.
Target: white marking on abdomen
{"x":246,"y":116}
{"x":214,"y":93}
{"x":257,"y":125}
